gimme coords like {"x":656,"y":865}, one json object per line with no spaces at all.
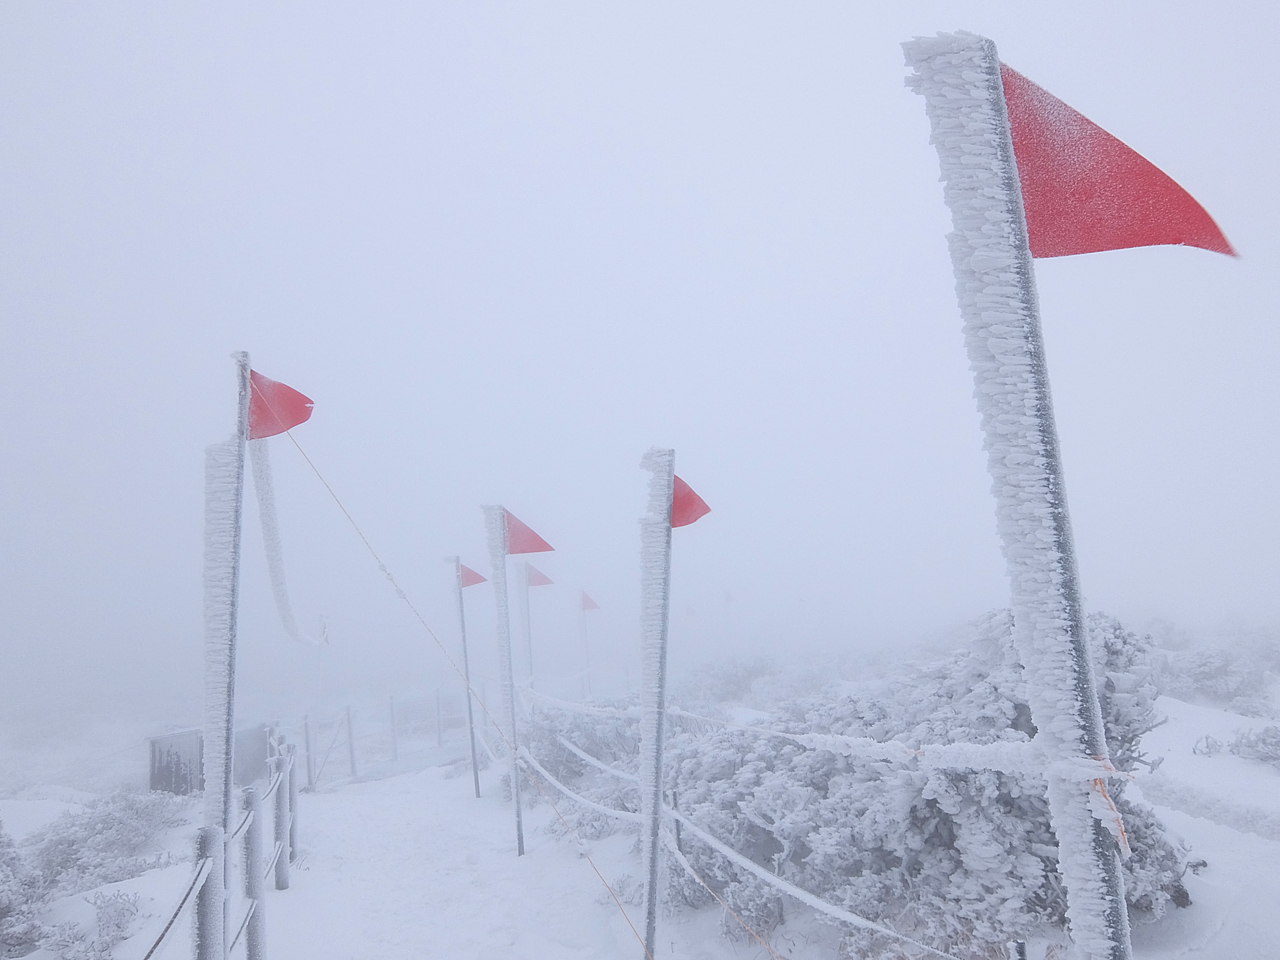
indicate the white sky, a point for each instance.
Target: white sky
{"x":507,"y":247}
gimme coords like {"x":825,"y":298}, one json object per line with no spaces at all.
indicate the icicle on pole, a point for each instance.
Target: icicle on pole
{"x":672,"y":503}
{"x":527,"y":618}
{"x":959,"y":77}
{"x":465,"y":577}
{"x":223,"y":515}
{"x":260,"y":461}
{"x":495,"y":518}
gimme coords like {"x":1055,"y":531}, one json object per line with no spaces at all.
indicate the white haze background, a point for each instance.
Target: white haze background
{"x":507,"y":247}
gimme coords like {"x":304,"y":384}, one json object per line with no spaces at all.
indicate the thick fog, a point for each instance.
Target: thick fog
{"x":508,"y":247}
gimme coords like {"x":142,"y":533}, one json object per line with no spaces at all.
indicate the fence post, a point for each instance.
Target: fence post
{"x":1017,"y":950}
{"x":439,"y":731}
{"x":293,"y":803}
{"x":209,"y":924}
{"x":254,"y":945}
{"x":351,"y":744}
{"x":395,"y":747}
{"x":282,"y":822}
{"x":311,"y":756}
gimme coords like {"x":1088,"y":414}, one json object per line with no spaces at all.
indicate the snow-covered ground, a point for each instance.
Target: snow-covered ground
{"x":413,"y":865}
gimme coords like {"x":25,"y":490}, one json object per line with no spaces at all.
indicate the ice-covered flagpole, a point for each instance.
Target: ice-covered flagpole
{"x":223,"y":511}
{"x":959,"y":76}
{"x":655,"y":605}
{"x":671,"y":504}
{"x":460,"y":582}
{"x":495,"y":521}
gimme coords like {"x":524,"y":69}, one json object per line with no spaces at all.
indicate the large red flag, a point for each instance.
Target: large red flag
{"x":686,"y":506}
{"x":521,"y":539}
{"x":274,"y":407}
{"x":1085,"y":191}
{"x":469,"y":577}
{"x":537,"y":578}
{"x":588,"y":603}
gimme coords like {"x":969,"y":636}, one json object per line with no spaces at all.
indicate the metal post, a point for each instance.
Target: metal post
{"x":655,"y":604}
{"x":281,"y":823}
{"x":351,"y":744}
{"x":496,"y":525}
{"x":208,"y":923}
{"x":466,"y":671}
{"x":223,"y":520}
{"x":439,"y":729}
{"x":254,"y":936}
{"x":395,"y":747}
{"x":960,"y":77}
{"x":293,"y":802}
{"x":311,"y":757}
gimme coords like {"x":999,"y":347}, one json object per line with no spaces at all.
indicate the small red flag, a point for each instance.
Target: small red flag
{"x":686,"y":506}
{"x":521,"y":539}
{"x":1085,"y":191}
{"x":537,"y":578}
{"x":469,"y":577}
{"x":274,"y":407}
{"x":588,"y":603}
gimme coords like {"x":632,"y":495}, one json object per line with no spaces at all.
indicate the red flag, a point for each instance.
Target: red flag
{"x":588,"y":603}
{"x":521,"y":539}
{"x":469,"y":577}
{"x":1085,"y":191}
{"x":686,"y":506}
{"x":537,"y":578}
{"x":274,"y":407}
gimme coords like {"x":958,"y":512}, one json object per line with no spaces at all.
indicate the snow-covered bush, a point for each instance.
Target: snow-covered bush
{"x":962,"y":859}
{"x":20,"y":930}
{"x":1261,"y":745}
{"x":104,"y":842}
{"x":1235,"y":675}
{"x":114,"y":914}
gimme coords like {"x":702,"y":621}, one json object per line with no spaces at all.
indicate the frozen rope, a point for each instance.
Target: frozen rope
{"x":589,"y":804}
{"x":674,"y":849}
{"x":792,"y":890}
{"x":732,"y":855}
{"x":598,"y":764}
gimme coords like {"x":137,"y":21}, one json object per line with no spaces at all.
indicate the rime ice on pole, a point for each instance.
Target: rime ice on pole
{"x":495,"y":522}
{"x":959,"y":77}
{"x":655,"y":600}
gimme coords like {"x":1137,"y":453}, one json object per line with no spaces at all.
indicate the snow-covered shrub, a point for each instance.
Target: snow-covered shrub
{"x":114,"y":914}
{"x":1261,"y":745}
{"x":102,"y":843}
{"x":962,"y":859}
{"x":1235,"y":675}
{"x":20,"y":930}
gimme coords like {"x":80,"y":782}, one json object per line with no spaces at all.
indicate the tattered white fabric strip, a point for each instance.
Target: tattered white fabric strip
{"x":260,"y":458}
